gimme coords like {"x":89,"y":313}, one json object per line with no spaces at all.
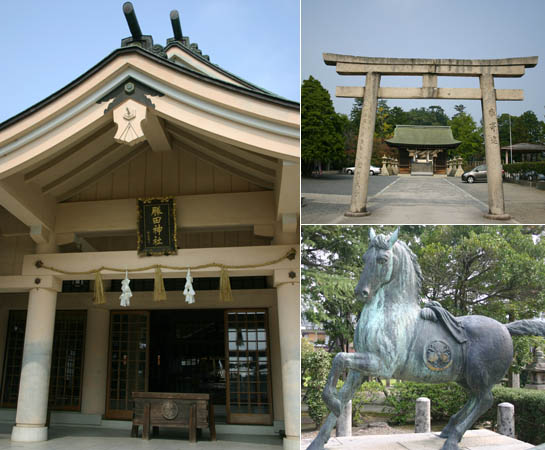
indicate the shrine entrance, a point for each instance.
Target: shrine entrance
{"x":224,"y":353}
{"x":429,"y":70}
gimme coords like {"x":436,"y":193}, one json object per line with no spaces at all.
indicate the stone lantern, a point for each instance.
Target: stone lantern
{"x":536,"y":372}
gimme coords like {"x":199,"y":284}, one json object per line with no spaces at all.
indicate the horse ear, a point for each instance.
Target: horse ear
{"x":393,"y":237}
{"x":371,"y":234}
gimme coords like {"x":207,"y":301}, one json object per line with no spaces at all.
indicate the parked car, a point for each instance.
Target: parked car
{"x":477,"y":174}
{"x":532,"y":175}
{"x":372,"y":170}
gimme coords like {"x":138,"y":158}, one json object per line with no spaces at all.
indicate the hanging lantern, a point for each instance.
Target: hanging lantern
{"x":188,"y":289}
{"x":126,"y":294}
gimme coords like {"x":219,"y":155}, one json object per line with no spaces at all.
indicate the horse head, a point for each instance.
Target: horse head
{"x":379,"y":262}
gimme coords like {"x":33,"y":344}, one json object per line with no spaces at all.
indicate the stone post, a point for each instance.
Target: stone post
{"x":515,"y":380}
{"x":290,"y":357}
{"x":448,"y":168}
{"x":506,"y":419}
{"x":384,"y":168}
{"x":496,"y":206}
{"x":358,"y":203}
{"x":344,"y":421}
{"x":422,"y":417}
{"x":34,"y":382}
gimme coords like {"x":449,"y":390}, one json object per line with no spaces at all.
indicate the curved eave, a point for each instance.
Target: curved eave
{"x":423,"y":146}
{"x":261,"y":95}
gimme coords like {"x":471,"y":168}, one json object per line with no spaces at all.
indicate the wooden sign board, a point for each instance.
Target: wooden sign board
{"x":157,"y":226}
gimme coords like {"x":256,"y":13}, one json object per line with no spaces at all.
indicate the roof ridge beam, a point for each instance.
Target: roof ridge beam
{"x":332,"y":59}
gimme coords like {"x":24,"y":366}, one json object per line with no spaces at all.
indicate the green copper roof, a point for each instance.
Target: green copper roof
{"x":422,"y":136}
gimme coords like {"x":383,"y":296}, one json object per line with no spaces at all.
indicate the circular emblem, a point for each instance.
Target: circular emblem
{"x":169,"y":409}
{"x":437,"y":356}
{"x":129,"y":88}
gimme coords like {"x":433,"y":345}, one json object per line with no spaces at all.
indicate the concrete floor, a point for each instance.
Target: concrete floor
{"x":472,"y":440}
{"x":423,"y":200}
{"x":100,"y":438}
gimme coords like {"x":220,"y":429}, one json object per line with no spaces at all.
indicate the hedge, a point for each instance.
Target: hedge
{"x":529,"y":412}
{"x":446,"y":399}
{"x":522,"y":167}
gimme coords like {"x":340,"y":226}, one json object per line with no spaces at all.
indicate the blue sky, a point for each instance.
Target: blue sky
{"x":474,"y":29}
{"x":46,"y":45}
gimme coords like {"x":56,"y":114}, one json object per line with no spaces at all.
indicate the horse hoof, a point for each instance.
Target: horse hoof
{"x":444,"y":434}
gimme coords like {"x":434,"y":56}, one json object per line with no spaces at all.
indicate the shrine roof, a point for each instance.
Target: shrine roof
{"x":423,"y":136}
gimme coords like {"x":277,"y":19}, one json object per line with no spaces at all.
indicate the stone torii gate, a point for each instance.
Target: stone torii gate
{"x":429,"y":69}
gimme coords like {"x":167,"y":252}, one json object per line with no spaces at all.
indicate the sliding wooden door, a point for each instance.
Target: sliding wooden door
{"x":248,"y":367}
{"x":128,"y":361}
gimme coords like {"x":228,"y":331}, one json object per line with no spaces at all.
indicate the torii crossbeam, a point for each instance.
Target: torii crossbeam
{"x":429,"y":70}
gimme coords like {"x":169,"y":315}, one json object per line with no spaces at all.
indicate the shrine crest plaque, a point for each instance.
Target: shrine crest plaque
{"x":157,"y":226}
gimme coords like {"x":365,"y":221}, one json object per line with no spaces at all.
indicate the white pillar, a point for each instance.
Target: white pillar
{"x":93,"y":395}
{"x":34,"y":382}
{"x":289,"y":324}
{"x":422,"y":417}
{"x":358,"y":203}
{"x":496,"y":206}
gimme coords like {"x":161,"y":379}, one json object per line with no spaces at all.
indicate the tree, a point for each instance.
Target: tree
{"x":528,"y":128}
{"x":465,"y":129}
{"x":321,"y":127}
{"x":494,"y":271}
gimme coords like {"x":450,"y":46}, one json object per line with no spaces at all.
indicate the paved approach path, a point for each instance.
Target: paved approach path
{"x":427,"y":200}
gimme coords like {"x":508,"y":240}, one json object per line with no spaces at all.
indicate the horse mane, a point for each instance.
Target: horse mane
{"x":383,"y":242}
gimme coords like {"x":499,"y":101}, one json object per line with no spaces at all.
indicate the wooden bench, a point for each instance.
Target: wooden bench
{"x":174,"y":410}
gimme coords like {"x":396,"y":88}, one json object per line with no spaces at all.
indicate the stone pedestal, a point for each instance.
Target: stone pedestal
{"x":536,"y":372}
{"x":422,"y":417}
{"x":34,"y":382}
{"x":459,"y":169}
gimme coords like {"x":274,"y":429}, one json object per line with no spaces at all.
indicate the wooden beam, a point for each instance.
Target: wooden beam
{"x":421,"y":69}
{"x":24,"y":283}
{"x":186,"y":257}
{"x":420,"y":93}
{"x":131,"y":155}
{"x":192,"y":211}
{"x":211,"y":158}
{"x":288,"y":200}
{"x":225,"y":156}
{"x":26,"y":202}
{"x":155,"y":132}
{"x":29,"y":176}
{"x":257,"y":158}
{"x":76,"y":172}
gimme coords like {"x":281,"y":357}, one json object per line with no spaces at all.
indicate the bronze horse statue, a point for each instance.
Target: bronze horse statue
{"x":395,"y":338}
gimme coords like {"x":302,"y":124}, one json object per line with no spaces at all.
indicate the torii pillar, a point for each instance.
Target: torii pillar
{"x":429,"y":70}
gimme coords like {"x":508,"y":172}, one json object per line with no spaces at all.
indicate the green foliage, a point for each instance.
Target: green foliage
{"x":529,"y":411}
{"x":522,"y":167}
{"x":522,"y":346}
{"x":446,"y":399}
{"x":524,"y":128}
{"x":321,"y":127}
{"x":315,"y":365}
{"x":495,"y":271}
{"x":367,"y":394}
{"x":465,"y":129}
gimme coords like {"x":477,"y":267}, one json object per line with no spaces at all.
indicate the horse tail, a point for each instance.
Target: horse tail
{"x":532,"y":327}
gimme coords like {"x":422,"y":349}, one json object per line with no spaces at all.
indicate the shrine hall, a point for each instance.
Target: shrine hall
{"x":422,"y":148}
{"x":149,"y":243}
